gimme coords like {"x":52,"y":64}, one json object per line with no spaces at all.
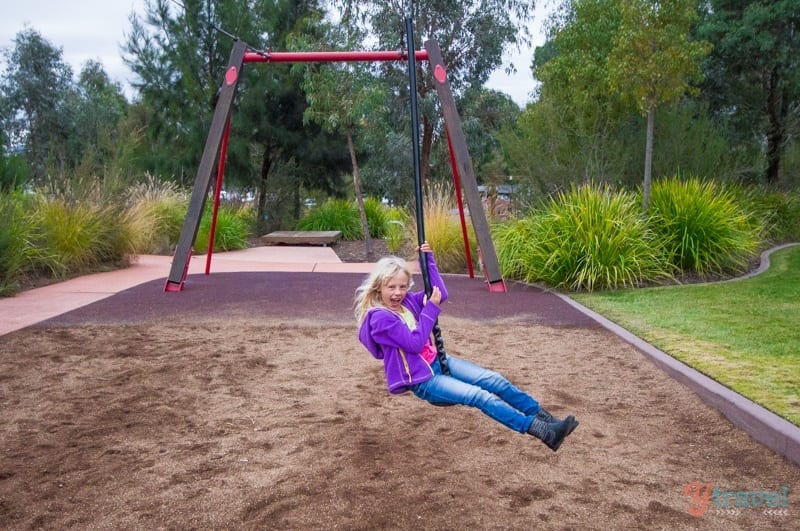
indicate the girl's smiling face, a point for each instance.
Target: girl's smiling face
{"x":394,"y":290}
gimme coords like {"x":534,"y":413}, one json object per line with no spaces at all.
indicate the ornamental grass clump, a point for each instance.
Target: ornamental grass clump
{"x":74,"y":238}
{"x":513,"y":239}
{"x":702,"y":226}
{"x":778,"y":212}
{"x":443,"y":229}
{"x":343,"y":215}
{"x":155,"y":211}
{"x":590,"y":238}
{"x":377,"y":217}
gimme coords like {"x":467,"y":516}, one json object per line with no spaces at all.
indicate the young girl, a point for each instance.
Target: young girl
{"x":396,"y":325}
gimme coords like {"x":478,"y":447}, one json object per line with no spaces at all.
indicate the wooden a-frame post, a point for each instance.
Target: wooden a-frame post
{"x":222,"y":111}
{"x":464,"y":169}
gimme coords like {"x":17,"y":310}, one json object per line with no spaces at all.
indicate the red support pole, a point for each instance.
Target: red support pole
{"x":460,"y":202}
{"x":223,"y":152}
{"x":320,"y":57}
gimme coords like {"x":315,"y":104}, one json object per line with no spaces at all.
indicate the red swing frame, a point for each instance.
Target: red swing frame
{"x":215,"y":150}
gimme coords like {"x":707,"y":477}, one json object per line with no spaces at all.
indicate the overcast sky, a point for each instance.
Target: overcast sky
{"x":95,"y":29}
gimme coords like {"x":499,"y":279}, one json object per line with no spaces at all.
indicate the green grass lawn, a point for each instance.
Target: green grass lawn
{"x":743,"y":334}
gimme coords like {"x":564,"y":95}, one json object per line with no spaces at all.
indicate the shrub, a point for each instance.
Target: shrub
{"x":230,"y":232}
{"x":585,"y":239}
{"x":397,"y":222}
{"x":334,"y":214}
{"x":702,"y":227}
{"x":14,"y":172}
{"x":14,"y":232}
{"x":776,"y":211}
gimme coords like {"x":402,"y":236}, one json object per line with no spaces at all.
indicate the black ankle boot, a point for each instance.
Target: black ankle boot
{"x":545,"y":415}
{"x":554,"y":432}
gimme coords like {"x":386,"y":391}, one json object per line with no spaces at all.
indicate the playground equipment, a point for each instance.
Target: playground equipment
{"x":215,"y":151}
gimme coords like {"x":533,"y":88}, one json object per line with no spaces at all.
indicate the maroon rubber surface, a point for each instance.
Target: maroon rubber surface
{"x":326,"y":296}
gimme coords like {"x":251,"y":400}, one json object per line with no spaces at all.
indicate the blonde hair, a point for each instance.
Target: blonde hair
{"x":368,"y":294}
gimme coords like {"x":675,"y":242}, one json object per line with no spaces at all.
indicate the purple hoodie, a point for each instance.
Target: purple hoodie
{"x":387,"y":337}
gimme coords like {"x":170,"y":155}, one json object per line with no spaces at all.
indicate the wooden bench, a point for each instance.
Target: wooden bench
{"x":302,"y":237}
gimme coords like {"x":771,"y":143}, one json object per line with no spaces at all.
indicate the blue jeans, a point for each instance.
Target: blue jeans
{"x":472,"y":385}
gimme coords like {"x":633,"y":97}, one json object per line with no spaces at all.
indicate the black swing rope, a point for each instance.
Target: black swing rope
{"x":441,"y":355}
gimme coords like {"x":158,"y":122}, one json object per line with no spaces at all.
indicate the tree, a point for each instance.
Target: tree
{"x":753,"y":74}
{"x":36,"y":89}
{"x":654,"y":60}
{"x":341,"y":96}
{"x":99,"y":107}
{"x":180,"y":58}
{"x":472,"y":35}
{"x":485,"y":113}
{"x":272,"y":108}
{"x":605,"y":62}
{"x":571,"y":131}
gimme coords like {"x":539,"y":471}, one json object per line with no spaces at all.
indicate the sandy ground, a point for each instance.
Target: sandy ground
{"x":262,"y":416}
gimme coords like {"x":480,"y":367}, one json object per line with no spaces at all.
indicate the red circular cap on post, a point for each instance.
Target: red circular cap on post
{"x":231,"y":75}
{"x":440,"y":73}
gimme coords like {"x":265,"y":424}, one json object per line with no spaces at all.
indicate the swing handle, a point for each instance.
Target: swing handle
{"x":412,"y":89}
{"x":441,"y":355}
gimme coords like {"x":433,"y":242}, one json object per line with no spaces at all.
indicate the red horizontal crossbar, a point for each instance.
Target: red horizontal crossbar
{"x":322,"y":57}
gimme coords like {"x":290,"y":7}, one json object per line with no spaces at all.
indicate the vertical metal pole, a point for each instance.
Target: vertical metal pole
{"x":441,"y":355}
{"x":412,"y":91}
